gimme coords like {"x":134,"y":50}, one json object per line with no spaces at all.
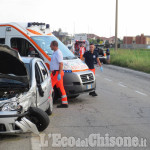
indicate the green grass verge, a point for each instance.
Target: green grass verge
{"x":134,"y":59}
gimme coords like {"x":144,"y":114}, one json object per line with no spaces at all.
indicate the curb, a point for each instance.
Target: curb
{"x":130,"y":71}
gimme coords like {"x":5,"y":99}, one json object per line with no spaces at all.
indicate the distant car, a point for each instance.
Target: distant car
{"x":25,"y":93}
{"x":101,"y":52}
{"x":70,"y":47}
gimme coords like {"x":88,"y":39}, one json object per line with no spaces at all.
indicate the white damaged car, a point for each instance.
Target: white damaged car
{"x":25,"y":93}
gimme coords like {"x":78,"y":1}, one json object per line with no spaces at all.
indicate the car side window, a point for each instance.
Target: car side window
{"x":38,"y":74}
{"x":43,"y":70}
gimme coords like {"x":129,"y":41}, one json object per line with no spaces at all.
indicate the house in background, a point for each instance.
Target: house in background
{"x":140,"y":41}
{"x":63,"y":36}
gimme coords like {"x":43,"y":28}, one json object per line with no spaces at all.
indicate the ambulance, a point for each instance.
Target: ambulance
{"x":34,"y":39}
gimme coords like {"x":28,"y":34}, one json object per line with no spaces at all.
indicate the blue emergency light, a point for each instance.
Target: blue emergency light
{"x":47,"y":26}
{"x":68,"y":71}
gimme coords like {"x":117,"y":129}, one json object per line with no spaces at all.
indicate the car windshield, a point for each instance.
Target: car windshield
{"x":69,"y":47}
{"x":45,"y":41}
{"x":28,"y":69}
{"x":9,"y":81}
{"x":100,"y":46}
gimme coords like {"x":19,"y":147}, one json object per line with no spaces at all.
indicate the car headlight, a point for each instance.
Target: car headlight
{"x":12,"y":106}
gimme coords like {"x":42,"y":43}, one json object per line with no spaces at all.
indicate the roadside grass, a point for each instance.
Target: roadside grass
{"x":134,"y":59}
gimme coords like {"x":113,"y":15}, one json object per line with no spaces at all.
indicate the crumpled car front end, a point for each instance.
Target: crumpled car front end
{"x":16,"y":95}
{"x":12,"y":122}
{"x":14,"y":115}
{"x":7,"y":122}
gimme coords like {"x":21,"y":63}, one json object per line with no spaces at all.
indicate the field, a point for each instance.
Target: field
{"x":134,"y":59}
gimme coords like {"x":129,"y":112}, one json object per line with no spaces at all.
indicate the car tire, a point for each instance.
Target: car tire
{"x":56,"y":95}
{"x":49,"y":111}
{"x":74,"y":96}
{"x":39,"y":118}
{"x":105,"y":61}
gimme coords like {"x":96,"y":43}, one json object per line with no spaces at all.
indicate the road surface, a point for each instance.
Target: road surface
{"x":121,"y":109}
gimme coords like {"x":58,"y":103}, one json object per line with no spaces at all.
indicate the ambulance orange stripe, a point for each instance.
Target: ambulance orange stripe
{"x":79,"y":70}
{"x":38,"y":47}
{"x":34,"y":32}
{"x":49,"y":34}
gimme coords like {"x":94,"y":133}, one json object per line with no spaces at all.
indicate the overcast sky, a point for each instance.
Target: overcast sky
{"x":81,"y":16}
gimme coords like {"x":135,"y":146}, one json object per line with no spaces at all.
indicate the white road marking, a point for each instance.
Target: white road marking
{"x":108,"y":79}
{"x":120,"y":84}
{"x":141,"y":93}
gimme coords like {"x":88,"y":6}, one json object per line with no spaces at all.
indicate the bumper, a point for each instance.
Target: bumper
{"x":74,"y":84}
{"x":103,"y":59}
{"x":9,"y":123}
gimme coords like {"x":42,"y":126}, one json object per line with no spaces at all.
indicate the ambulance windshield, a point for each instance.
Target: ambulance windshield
{"x":45,"y":41}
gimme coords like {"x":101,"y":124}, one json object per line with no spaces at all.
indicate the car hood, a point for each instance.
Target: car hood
{"x":74,"y":65}
{"x":11,"y":66}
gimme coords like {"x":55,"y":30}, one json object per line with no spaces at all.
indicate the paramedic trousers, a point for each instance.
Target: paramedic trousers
{"x":93,"y":70}
{"x":59,"y":85}
{"x":81,"y":56}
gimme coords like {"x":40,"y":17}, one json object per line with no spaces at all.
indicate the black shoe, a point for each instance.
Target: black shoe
{"x":94,"y":94}
{"x":62,"y":106}
{"x":90,"y":93}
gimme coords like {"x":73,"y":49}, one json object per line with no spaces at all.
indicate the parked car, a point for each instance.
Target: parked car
{"x":25,"y":93}
{"x":71,"y":47}
{"x":101,"y":52}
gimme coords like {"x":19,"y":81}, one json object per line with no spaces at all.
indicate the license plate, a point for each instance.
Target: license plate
{"x":89,"y":86}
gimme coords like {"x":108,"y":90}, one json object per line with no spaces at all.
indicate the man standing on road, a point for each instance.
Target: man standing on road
{"x":90,"y":57}
{"x":108,"y":54}
{"x":82,"y":51}
{"x":56,"y":67}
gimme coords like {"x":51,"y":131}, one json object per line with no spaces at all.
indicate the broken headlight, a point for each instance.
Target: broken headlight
{"x":12,"y":106}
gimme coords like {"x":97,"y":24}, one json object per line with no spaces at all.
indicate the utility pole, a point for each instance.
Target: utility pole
{"x":116,"y":27}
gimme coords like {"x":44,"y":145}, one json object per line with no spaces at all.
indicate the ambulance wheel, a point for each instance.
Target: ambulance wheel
{"x":104,"y":61}
{"x":73,"y":96}
{"x":49,"y":111}
{"x":50,"y":108}
{"x":39,"y":118}
{"x":56,"y":95}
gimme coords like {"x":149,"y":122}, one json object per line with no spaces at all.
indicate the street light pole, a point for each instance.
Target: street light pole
{"x":116,"y":27}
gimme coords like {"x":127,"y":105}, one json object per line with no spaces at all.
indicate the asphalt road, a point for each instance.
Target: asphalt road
{"x":121,"y":109}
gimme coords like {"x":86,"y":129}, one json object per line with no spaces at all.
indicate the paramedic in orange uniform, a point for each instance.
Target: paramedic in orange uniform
{"x":82,"y":51}
{"x":56,"y":67}
{"x":90,"y":57}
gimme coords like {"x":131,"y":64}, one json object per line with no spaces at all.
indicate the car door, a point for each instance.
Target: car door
{"x":43,"y":85}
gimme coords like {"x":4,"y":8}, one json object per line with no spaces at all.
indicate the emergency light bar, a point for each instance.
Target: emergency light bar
{"x":47,"y":26}
{"x":38,"y":24}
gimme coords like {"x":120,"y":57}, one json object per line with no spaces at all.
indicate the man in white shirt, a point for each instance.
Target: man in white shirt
{"x":56,"y":67}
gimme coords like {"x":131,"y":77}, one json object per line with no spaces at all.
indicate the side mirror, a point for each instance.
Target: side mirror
{"x":44,"y":72}
{"x":41,"y":92}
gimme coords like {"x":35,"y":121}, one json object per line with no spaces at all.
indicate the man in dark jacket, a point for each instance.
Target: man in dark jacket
{"x":90,"y":57}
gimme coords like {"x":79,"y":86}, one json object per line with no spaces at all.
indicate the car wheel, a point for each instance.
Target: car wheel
{"x":56,"y":94}
{"x":105,"y":61}
{"x":74,"y":96}
{"x":49,"y":111}
{"x":39,"y":118}
{"x":50,"y":108}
